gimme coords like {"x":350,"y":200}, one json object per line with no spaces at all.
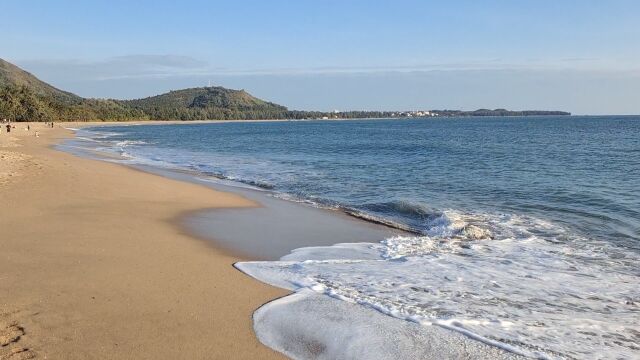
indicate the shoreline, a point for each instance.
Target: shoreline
{"x":267,"y":230}
{"x":224,"y":228}
{"x":94,"y":265}
{"x":365,"y":281}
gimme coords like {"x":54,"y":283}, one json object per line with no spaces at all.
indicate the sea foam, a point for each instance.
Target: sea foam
{"x":293,"y":326}
{"x":553,"y":297}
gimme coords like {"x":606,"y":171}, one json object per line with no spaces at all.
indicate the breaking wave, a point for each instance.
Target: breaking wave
{"x":520,"y":283}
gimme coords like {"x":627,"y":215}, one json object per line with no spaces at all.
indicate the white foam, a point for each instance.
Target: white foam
{"x":349,"y":331}
{"x":86,"y":139}
{"x":125,"y":143}
{"x":554,"y":296}
{"x":350,"y":251}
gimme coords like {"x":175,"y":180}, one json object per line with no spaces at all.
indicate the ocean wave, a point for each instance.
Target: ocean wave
{"x":531,"y":287}
{"x":403,"y":207}
{"x":363,"y":215}
{"x":125,"y":143}
{"x":257,"y":183}
{"x":96,"y":133}
{"x":317,"y":203}
{"x":86,"y":138}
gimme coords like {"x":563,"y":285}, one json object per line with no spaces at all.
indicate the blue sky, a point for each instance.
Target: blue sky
{"x":580,"y":56}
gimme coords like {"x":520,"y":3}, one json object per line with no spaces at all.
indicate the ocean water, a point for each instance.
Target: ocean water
{"x":526,"y":231}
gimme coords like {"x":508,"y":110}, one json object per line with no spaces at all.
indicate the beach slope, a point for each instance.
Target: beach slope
{"x":93,"y":266}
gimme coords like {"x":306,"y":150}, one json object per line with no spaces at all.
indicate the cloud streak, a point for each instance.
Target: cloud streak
{"x":149,"y":66}
{"x":128,"y":66}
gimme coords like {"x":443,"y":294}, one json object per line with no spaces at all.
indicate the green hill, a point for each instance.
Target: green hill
{"x":13,"y":76}
{"x":24,"y":97}
{"x":207,"y":103}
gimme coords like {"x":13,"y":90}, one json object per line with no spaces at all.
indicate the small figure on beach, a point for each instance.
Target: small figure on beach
{"x":8,"y":128}
{"x":28,"y":127}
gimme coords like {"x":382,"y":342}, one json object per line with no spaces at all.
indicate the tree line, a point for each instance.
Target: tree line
{"x":19,"y":103}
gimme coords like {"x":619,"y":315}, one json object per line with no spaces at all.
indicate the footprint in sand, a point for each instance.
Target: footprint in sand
{"x":10,"y":349}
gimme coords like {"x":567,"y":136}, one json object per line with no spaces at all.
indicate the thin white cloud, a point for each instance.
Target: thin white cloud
{"x":168,"y":61}
{"x":150,"y":66}
{"x":117,"y":67}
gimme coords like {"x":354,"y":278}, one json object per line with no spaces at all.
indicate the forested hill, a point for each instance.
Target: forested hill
{"x":207,"y":103}
{"x":13,"y":76}
{"x":24,"y":97}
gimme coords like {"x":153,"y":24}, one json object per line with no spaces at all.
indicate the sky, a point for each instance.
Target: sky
{"x":581,"y":56}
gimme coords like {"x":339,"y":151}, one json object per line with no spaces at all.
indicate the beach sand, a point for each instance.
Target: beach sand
{"x":92,"y":264}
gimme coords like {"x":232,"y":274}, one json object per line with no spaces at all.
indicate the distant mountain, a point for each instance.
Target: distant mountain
{"x":24,"y":97}
{"x":207,"y":103}
{"x":499,"y":112}
{"x":11,"y":75}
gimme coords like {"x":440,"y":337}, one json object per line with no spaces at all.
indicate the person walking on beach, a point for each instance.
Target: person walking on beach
{"x":8,"y":128}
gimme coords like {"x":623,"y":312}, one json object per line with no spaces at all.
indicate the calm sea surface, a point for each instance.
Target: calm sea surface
{"x":547,"y":208}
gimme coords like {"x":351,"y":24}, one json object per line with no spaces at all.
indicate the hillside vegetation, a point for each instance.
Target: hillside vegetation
{"x":23,"y":97}
{"x":207,"y":103}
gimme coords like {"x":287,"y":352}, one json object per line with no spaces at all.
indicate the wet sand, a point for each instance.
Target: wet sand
{"x":267,"y":231}
{"x":92,"y":264}
{"x":245,"y":231}
{"x":274,"y":227}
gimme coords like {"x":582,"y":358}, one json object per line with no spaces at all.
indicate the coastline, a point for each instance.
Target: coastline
{"x":94,"y":266}
{"x":370,"y":288}
{"x":273,"y":229}
{"x":269,"y":228}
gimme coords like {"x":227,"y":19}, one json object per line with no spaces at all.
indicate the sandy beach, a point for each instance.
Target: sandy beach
{"x":94,"y":266}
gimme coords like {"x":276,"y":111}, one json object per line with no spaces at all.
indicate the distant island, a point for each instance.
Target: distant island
{"x":24,"y":97}
{"x":497,"y":112}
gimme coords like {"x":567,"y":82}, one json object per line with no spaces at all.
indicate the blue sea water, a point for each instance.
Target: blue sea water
{"x":533,"y":223}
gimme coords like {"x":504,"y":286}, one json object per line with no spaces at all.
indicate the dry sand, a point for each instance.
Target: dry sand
{"x":93,"y":266}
